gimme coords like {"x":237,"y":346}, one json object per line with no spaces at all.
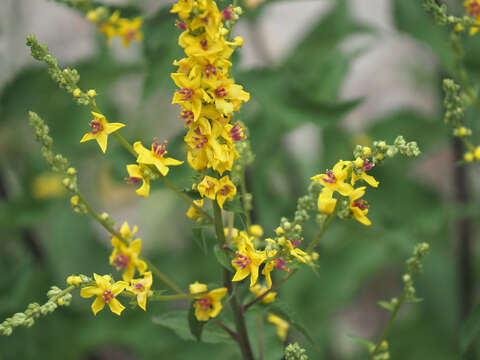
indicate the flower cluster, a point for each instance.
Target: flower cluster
{"x":342,"y":178}
{"x":207,"y":93}
{"x":473,"y":10}
{"x":125,"y":257}
{"x":114,"y":25}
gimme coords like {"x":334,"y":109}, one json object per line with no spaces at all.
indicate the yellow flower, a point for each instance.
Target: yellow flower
{"x":282,"y":325}
{"x":208,"y":187}
{"x":135,"y":176}
{"x":110,"y":27}
{"x":106,"y":293}
{"x":126,"y":257}
{"x":226,"y":190}
{"x":183,"y":8}
{"x":473,"y":10}
{"x":130,"y":30}
{"x":190,"y":94}
{"x":360,"y":172}
{"x":192,"y":212}
{"x":334,"y":179}
{"x":47,"y":186}
{"x":259,"y":290}
{"x":359,"y":207}
{"x":476,"y":153}
{"x":247,"y":261}
{"x":141,"y":288}
{"x":207,"y":305}
{"x":297,"y":253}
{"x":326,"y":203}
{"x":155,"y":156}
{"x":256,"y":230}
{"x":100,"y":130}
{"x":468,"y":157}
{"x":228,"y":96}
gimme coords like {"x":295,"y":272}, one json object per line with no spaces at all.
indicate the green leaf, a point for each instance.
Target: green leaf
{"x":193,"y":194}
{"x":364,"y":342}
{"x":178,"y":322}
{"x":223,"y":258}
{"x":386,"y":305}
{"x":282,"y":310}
{"x":470,"y":329}
{"x":196,"y":327}
{"x":234,"y":205}
{"x":199,"y":238}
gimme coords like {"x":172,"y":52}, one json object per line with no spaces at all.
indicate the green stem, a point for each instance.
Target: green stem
{"x":260,"y":335}
{"x":115,"y":233}
{"x":385,"y":333}
{"x":238,"y":318}
{"x":325,"y":225}
{"x":243,"y":187}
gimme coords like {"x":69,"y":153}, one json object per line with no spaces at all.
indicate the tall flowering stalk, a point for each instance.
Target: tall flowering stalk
{"x":207,"y":94}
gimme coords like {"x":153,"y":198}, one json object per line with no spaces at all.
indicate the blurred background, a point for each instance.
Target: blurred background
{"x":324,"y":75}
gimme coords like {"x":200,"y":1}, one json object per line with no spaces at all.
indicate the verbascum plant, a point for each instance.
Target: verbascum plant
{"x":219,"y":152}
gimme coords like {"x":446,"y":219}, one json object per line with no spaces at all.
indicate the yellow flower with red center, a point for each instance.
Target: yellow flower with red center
{"x":247,"y":262}
{"x":226,"y":190}
{"x":183,"y":8}
{"x":106,"y":293}
{"x":473,"y":10}
{"x":228,"y":96}
{"x":334,"y":179}
{"x":127,"y":257}
{"x":359,"y":207}
{"x":141,"y":288}
{"x":208,"y":187}
{"x":207,"y":304}
{"x":360,"y":172}
{"x":190,"y":94}
{"x":155,"y":156}
{"x":101,"y":128}
{"x":136,"y":175}
{"x":129,"y":30}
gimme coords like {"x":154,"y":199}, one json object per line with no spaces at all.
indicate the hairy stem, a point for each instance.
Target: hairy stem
{"x":243,"y":341}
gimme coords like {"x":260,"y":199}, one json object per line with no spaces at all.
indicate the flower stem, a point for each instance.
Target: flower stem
{"x":164,"y":179}
{"x":115,"y":233}
{"x":238,"y":318}
{"x":317,"y":238}
{"x":385,"y":333}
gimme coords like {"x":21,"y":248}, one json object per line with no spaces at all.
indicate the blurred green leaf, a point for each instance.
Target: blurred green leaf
{"x":195,"y":326}
{"x":386,"y":305}
{"x":367,"y":344}
{"x":223,"y":258}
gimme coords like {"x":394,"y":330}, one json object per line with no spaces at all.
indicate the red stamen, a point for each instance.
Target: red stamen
{"x":108,"y":296}
{"x":221,"y":92}
{"x":121,"y":261}
{"x":224,"y":190}
{"x":159,"y":150}
{"x":181,"y":25}
{"x":280,"y":264}
{"x":361,"y":204}
{"x":331,"y":178}
{"x":188,"y":93}
{"x":227,"y":13}
{"x":96,"y":126}
{"x":237,"y":133}
{"x":204,"y":303}
{"x":210,"y":70}
{"x":242,"y":261}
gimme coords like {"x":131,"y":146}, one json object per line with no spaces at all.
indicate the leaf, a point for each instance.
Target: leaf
{"x":282,"y":310}
{"x":234,"y":206}
{"x":386,"y":305}
{"x":199,"y":238}
{"x":223,"y":258}
{"x":364,"y":342}
{"x":178,"y":322}
{"x":196,"y":327}
{"x":193,"y":194}
{"x":470,"y":329}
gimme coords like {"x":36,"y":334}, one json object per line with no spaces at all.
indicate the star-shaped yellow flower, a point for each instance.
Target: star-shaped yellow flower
{"x":208,"y":305}
{"x":101,"y":128}
{"x":106,"y":293}
{"x":359,"y":207}
{"x":130,"y":30}
{"x":126,"y":257}
{"x":135,"y":176}
{"x":141,"y":288}
{"x":155,"y":156}
{"x":226,"y":190}
{"x":247,"y":261}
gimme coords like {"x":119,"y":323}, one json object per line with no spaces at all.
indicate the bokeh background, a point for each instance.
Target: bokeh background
{"x":324,"y":75}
